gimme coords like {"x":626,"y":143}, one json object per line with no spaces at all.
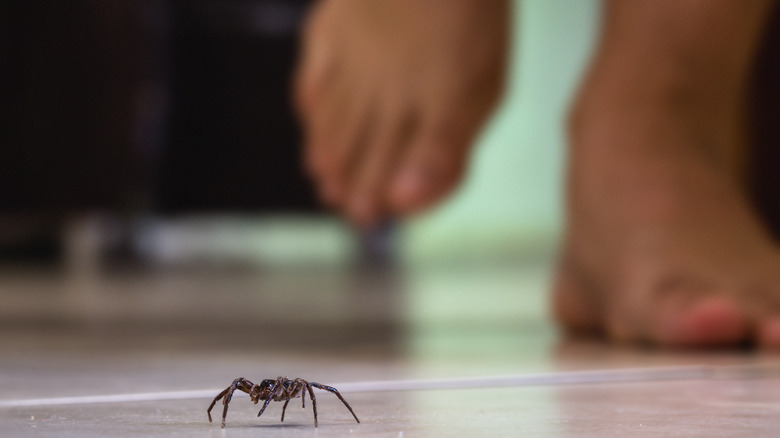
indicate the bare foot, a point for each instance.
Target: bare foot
{"x":665,"y":249}
{"x":662,"y":245}
{"x":391,"y":95}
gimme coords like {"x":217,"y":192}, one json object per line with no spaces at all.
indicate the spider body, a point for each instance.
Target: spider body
{"x":279,"y":389}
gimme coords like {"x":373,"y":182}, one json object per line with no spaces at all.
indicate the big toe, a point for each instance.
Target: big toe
{"x":417,"y":188}
{"x":431,"y":169}
{"x":707,"y":322}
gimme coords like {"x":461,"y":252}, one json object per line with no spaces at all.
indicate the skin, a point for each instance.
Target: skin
{"x":662,"y":245}
{"x":391,"y":94}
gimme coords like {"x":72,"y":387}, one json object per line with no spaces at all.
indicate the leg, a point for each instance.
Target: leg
{"x":213,"y":402}
{"x":300,"y":387}
{"x":313,"y":402}
{"x":335,"y":391}
{"x":663,"y":245}
{"x":284,"y":408}
{"x":239,"y":383}
{"x":265,"y":405}
{"x":297,"y":387}
{"x":278,"y":389}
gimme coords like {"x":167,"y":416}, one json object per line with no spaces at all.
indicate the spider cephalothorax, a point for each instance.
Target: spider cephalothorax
{"x":263,"y":390}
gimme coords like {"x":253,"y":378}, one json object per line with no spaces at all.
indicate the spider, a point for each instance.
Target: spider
{"x":281,"y":389}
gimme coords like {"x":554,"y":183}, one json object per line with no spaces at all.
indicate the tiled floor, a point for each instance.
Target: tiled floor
{"x":85,"y":334}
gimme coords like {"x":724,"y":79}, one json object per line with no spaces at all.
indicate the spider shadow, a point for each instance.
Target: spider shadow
{"x":275,"y":426}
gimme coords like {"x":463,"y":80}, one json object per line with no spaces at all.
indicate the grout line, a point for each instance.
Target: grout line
{"x":695,"y":372}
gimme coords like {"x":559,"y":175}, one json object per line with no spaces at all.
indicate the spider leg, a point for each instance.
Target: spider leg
{"x":313,"y":402}
{"x":239,"y":383}
{"x":283,"y":409}
{"x":278,"y":386}
{"x":213,"y":402}
{"x":335,"y":391}
{"x":265,"y":405}
{"x":300,"y":387}
{"x":296,"y":388}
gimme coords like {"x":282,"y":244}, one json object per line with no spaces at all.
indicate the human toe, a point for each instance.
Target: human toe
{"x":708,"y":322}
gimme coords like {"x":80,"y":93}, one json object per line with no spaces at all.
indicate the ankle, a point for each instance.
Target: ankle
{"x":655,"y":123}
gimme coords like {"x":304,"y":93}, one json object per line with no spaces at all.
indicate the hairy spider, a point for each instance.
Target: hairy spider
{"x":281,"y":389}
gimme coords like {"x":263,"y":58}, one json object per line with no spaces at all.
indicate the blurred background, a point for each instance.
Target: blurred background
{"x":157,"y":235}
{"x":150,"y":183}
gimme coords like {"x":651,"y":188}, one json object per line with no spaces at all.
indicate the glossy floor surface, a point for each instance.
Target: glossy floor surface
{"x":178,"y":338}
